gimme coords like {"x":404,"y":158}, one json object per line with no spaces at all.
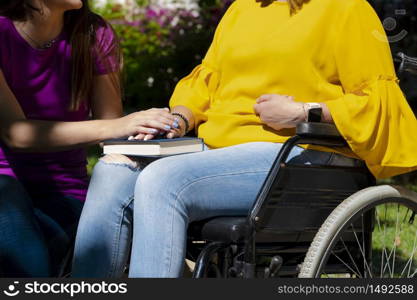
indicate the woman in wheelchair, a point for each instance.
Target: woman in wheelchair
{"x":271,"y":66}
{"x":58,"y":63}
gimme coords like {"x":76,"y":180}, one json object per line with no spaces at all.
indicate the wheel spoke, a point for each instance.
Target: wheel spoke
{"x":350,"y":256}
{"x":343,"y":262}
{"x":360,"y":248}
{"x":384,"y":249}
{"x":395,"y":241}
{"x":410,"y":260}
{"x":383,"y":233}
{"x":394,"y":247}
{"x":412,"y":255}
{"x":405,"y":216}
{"x":409,"y":263}
{"x":363,"y":246}
{"x":387,"y":263}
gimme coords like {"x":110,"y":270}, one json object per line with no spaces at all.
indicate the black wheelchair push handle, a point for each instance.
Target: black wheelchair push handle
{"x":407,"y":63}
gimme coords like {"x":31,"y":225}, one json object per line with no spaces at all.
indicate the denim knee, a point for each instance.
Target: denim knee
{"x":12,"y":194}
{"x":152,"y":175}
{"x":164,"y":176}
{"x":10,"y":184}
{"x":110,"y":180}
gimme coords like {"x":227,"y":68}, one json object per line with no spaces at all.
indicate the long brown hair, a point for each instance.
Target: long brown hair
{"x":296,"y":5}
{"x":81,"y":26}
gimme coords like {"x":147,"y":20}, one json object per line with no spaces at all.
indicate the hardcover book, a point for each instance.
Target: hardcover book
{"x":157,"y":147}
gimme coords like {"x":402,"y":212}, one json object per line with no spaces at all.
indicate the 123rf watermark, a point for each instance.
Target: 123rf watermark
{"x":61,"y":288}
{"x":390,"y":25}
{"x":366,"y":289}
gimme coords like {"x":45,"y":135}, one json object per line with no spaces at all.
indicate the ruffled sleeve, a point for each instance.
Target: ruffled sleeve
{"x":373,"y":115}
{"x":196,"y":90}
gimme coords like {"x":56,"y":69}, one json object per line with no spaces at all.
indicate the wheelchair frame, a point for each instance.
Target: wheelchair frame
{"x":275,"y":192}
{"x":225,"y":249}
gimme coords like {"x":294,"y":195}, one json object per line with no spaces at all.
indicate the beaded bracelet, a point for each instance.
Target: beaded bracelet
{"x":187,"y":124}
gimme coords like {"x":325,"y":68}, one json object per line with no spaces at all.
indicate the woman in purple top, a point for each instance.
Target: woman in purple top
{"x":59,"y":66}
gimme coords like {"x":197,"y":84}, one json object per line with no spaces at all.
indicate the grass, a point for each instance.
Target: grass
{"x":93,"y":155}
{"x":395,"y":235}
{"x":91,"y":162}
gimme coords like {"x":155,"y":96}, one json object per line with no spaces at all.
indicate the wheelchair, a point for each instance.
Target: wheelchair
{"x":314,"y":221}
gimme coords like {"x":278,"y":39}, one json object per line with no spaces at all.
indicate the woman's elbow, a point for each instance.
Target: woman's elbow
{"x":13,"y":143}
{"x":17,"y":137}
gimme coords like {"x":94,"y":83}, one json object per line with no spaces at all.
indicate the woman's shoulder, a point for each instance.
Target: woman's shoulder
{"x":6,"y":31}
{"x":104,"y":31}
{"x":243,"y":4}
{"x":4,"y":24}
{"x":4,"y":20}
{"x":336,"y":6}
{"x":106,"y":49}
{"x":346,"y":6}
{"x":360,"y":11}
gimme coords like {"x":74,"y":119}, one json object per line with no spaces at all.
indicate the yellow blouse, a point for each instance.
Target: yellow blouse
{"x":332,"y":51}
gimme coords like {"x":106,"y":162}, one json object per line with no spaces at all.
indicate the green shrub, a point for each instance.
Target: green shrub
{"x":160,"y":46}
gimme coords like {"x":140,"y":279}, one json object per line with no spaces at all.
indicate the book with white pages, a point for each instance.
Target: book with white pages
{"x":157,"y":147}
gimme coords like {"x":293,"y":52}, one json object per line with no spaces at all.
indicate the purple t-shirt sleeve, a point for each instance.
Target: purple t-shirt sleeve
{"x":107,"y":60}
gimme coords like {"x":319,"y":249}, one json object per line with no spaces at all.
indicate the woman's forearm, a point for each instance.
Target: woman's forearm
{"x":48,"y":136}
{"x":326,"y":116}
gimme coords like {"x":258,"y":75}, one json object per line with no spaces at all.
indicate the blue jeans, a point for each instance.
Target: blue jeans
{"x":168,"y":194}
{"x":36,"y":234}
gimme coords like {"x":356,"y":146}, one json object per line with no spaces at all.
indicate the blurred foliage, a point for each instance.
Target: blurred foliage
{"x":161,"y":46}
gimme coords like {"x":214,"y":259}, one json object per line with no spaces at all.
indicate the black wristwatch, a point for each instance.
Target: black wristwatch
{"x":314,"y":112}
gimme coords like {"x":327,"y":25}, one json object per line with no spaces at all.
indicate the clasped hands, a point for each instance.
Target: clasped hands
{"x":279,"y":111}
{"x":276,"y":111}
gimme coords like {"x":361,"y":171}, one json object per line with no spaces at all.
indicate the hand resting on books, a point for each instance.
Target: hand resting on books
{"x":147,"y":122}
{"x":176,"y":131}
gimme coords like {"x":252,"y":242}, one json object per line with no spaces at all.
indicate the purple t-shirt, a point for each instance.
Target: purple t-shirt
{"x":41,"y":82}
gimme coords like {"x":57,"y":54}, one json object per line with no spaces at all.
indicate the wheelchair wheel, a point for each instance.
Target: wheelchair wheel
{"x":373,"y":233}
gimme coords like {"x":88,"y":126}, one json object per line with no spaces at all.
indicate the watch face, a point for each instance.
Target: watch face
{"x":314,"y":114}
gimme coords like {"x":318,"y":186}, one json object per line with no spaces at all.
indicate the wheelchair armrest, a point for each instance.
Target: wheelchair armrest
{"x":318,"y":131}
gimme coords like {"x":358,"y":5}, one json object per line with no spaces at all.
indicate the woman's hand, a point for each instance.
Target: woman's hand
{"x":177,"y":128}
{"x":181,"y":130}
{"x":278,"y":111}
{"x":177,"y":132}
{"x":145,"y":124}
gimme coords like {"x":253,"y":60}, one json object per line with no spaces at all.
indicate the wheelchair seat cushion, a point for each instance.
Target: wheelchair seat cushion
{"x":224,"y":229}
